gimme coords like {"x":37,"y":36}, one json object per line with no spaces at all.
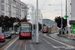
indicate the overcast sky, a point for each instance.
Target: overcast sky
{"x":49,"y":8}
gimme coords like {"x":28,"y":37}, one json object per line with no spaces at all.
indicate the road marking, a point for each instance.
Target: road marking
{"x":31,"y":45}
{"x":25,"y":45}
{"x":50,"y":43}
{"x":61,"y":42}
{"x":11,"y":44}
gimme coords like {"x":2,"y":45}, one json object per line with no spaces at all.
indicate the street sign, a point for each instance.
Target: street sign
{"x":61,"y":24}
{"x":65,"y":16}
{"x":74,"y":29}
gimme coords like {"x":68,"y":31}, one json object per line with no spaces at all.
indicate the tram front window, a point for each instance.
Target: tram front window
{"x":25,"y":28}
{"x":45,"y":28}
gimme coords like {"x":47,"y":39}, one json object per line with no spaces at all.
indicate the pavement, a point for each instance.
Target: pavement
{"x":63,"y":39}
{"x":70,"y":37}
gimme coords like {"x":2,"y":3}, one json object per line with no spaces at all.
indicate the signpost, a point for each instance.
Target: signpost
{"x":65,"y":16}
{"x":61,"y":25}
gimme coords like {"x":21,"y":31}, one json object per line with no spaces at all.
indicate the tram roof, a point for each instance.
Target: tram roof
{"x":24,"y":22}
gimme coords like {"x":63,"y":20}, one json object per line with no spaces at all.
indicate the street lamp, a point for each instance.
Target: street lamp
{"x":37,"y":34}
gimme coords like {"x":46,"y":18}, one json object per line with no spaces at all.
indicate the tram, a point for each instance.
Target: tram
{"x":45,"y":29}
{"x":25,"y":30}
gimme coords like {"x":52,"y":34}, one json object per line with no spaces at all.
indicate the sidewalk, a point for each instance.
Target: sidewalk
{"x":66,"y":36}
{"x":63,"y":39}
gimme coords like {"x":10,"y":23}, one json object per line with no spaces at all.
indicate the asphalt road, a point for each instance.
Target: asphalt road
{"x":18,"y":45}
{"x":7,"y":40}
{"x":63,"y":39}
{"x":45,"y":43}
{"x":31,"y":45}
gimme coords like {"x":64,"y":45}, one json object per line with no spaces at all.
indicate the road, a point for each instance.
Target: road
{"x":7,"y":40}
{"x":45,"y":43}
{"x":66,"y":40}
{"x":31,"y":45}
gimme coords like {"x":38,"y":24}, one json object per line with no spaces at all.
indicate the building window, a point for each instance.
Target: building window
{"x":2,"y":1}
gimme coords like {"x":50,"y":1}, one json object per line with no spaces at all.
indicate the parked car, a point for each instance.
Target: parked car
{"x":13,"y":32}
{"x":7,"y":34}
{"x":2,"y":37}
{"x":17,"y":32}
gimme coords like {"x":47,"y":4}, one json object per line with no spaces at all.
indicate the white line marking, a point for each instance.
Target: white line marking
{"x":59,"y":42}
{"x":25,"y":47}
{"x":10,"y":44}
{"x":49,"y":43}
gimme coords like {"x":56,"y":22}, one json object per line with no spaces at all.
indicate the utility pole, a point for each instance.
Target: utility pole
{"x":61,"y":19}
{"x":68,"y":27}
{"x":66,"y":8}
{"x":37,"y":34}
{"x":66,"y":15}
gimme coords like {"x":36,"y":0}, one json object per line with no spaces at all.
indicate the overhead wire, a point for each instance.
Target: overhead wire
{"x":43,"y":5}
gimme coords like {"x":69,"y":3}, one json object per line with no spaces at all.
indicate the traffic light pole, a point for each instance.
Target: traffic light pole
{"x":61,"y":18}
{"x":66,"y":14}
{"x":68,"y":27}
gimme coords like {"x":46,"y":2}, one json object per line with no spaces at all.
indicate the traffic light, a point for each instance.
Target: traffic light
{"x":64,"y":23}
{"x":58,"y":21}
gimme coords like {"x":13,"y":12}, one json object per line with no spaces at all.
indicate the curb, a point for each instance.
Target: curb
{"x":66,"y":37}
{"x":8,"y":41}
{"x":62,"y":41}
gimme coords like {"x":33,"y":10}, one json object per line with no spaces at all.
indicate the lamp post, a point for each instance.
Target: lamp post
{"x":61,"y":19}
{"x":37,"y":34}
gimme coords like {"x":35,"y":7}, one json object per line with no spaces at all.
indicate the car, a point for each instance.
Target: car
{"x":17,"y":32}
{"x":12,"y":32}
{"x":7,"y":34}
{"x":2,"y":37}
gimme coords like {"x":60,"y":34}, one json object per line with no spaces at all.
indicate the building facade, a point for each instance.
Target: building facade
{"x":70,"y":11}
{"x":13,"y":8}
{"x":31,"y":13}
{"x":40,"y":17}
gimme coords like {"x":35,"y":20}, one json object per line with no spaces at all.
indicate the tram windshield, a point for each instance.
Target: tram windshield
{"x":25,"y":28}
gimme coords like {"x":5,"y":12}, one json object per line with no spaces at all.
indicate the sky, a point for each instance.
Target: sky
{"x":49,"y":8}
